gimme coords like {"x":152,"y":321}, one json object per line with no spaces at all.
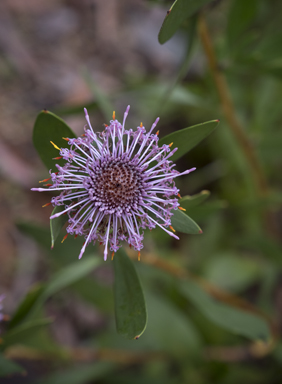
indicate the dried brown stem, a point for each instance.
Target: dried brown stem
{"x":118,"y":356}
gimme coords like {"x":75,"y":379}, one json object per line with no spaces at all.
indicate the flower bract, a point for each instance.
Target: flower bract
{"x":115,"y":184}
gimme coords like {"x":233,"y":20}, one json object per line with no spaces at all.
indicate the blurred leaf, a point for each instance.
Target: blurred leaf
{"x":26,"y":305}
{"x":274,"y":69}
{"x":192,"y":201}
{"x":22,"y":332}
{"x":100,"y":295}
{"x":57,"y":224}
{"x":187,"y":138}
{"x":63,"y":253}
{"x":179,"y":11}
{"x":60,"y":280}
{"x":8,"y":367}
{"x":277,"y":353}
{"x":78,"y":375}
{"x":269,"y":47}
{"x":241,"y":14}
{"x":75,"y":109}
{"x":206,"y":210}
{"x":264,"y":245}
{"x":49,"y":127}
{"x":102,"y":101}
{"x":130,"y":306}
{"x":68,"y":276}
{"x":232,"y":272}
{"x":168,"y":328}
{"x":40,"y":234}
{"x":230,"y":318}
{"x":183,"y":223}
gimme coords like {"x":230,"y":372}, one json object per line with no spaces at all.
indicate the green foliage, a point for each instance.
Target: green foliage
{"x":188,"y":202}
{"x":180,"y":10}
{"x":232,"y":319}
{"x":49,"y":127}
{"x":8,"y":367}
{"x":35,"y":299}
{"x":188,"y":138}
{"x":57,"y":224}
{"x":23,"y":332}
{"x":183,"y":223}
{"x":79,"y":374}
{"x":191,"y":335}
{"x":130,"y":307}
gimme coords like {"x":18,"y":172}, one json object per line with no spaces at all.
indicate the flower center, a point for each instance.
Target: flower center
{"x":115,"y":185}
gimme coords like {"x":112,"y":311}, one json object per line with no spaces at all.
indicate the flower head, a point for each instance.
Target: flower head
{"x":114,"y":184}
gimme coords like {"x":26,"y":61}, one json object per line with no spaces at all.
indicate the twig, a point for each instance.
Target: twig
{"x":119,"y":356}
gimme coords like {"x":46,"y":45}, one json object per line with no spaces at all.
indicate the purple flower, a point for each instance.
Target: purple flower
{"x":114,"y":184}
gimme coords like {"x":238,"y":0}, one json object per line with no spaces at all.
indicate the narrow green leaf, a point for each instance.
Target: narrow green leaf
{"x":102,"y":101}
{"x":230,"y":318}
{"x":49,"y":127}
{"x":130,"y":307}
{"x":208,"y":209}
{"x":100,"y":295}
{"x":57,"y":224}
{"x":242,"y":10}
{"x":233,"y":272}
{"x":71,"y":274}
{"x":79,"y":374}
{"x":26,"y":305}
{"x":63,"y":253}
{"x":187,"y":138}
{"x":22,"y":332}
{"x":60,"y":280}
{"x":192,"y":201}
{"x":8,"y":367}
{"x":169,"y":329}
{"x":183,"y":223}
{"x":40,"y":234}
{"x":179,"y":11}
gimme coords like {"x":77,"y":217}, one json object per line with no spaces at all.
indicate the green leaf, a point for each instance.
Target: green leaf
{"x":71,"y":274}
{"x":130,"y":307}
{"x":183,"y":223}
{"x":40,"y":234}
{"x":57,"y":224}
{"x":63,"y":253}
{"x":26,"y":305}
{"x":102,"y":101}
{"x":169,"y":328}
{"x":179,"y":11}
{"x":232,"y":319}
{"x":49,"y":127}
{"x":100,"y":295}
{"x":79,"y":374}
{"x":205,"y":210}
{"x":241,"y":15}
{"x":60,"y":280}
{"x":8,"y":367}
{"x":232,"y":272}
{"x":187,"y":138}
{"x":192,"y":201}
{"x":23,"y":332}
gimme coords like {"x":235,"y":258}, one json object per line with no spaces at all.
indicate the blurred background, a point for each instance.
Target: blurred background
{"x":225,"y":62}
